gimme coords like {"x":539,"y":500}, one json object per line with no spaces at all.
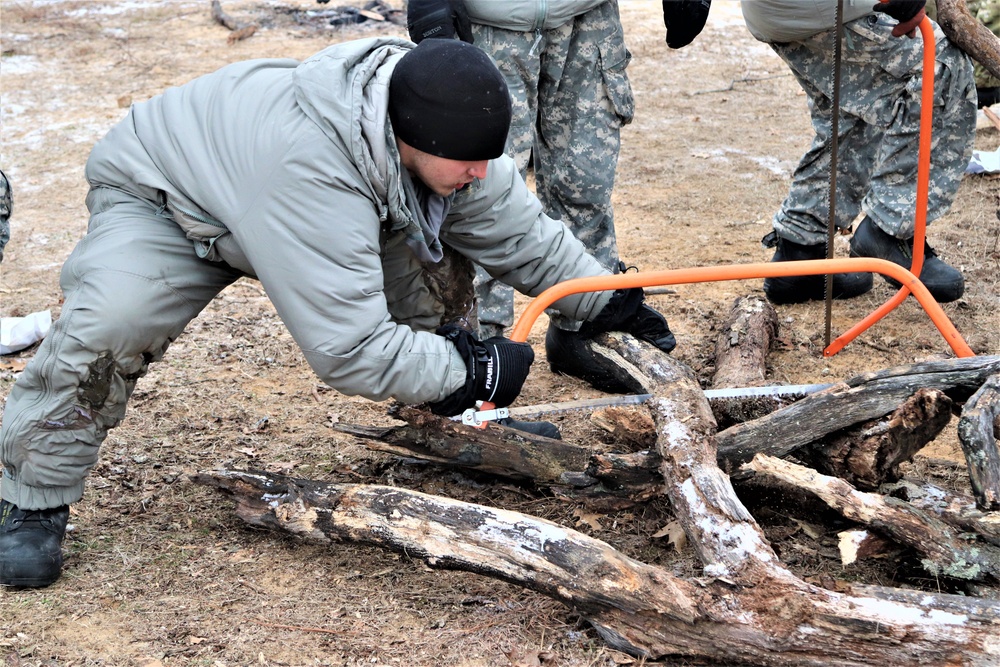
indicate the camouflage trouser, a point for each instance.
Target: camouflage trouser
{"x":131,"y":285}
{"x":571,"y":96}
{"x":6,"y":208}
{"x":988,"y":13}
{"x":879,"y":129}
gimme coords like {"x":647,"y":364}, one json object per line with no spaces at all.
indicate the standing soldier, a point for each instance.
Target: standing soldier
{"x":879,"y":134}
{"x":564,"y":62}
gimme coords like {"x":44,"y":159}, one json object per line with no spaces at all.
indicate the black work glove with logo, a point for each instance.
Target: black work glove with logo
{"x":438,"y":18}
{"x":909,"y":14}
{"x":496,"y":370}
{"x":901,"y":10}
{"x":684,"y":19}
{"x":627,"y":312}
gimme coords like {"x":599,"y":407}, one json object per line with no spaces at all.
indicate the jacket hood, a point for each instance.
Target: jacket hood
{"x":344,"y":89}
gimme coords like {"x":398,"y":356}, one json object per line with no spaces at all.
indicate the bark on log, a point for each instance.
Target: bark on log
{"x":861,"y":398}
{"x":869,"y":455}
{"x":945,"y":553}
{"x":741,"y":352}
{"x":979,"y":433}
{"x":969,"y":34}
{"x":979,"y":611}
{"x":954,"y":509}
{"x":605,"y":480}
{"x":744,"y":342}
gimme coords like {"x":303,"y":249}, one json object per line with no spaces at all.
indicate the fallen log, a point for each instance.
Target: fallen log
{"x":870,"y":454}
{"x":496,"y":450}
{"x":954,"y":509}
{"x":979,"y":434}
{"x":745,"y":338}
{"x":944,"y":552}
{"x":970,"y":35}
{"x":636,"y":605}
{"x":864,"y":397}
{"x":609,"y":480}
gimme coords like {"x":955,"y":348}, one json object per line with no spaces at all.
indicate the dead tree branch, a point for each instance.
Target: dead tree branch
{"x":979,"y":433}
{"x":741,"y":350}
{"x":944,"y":551}
{"x":239,"y":30}
{"x":969,"y":34}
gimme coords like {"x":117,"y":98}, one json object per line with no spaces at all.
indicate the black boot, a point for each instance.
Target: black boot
{"x":30,"y":545}
{"x":799,"y":289}
{"x":569,"y":353}
{"x":546,"y":429}
{"x":944,"y":282}
{"x":987,"y":97}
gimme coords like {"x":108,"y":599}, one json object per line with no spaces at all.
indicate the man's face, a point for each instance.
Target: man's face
{"x":440,"y":174}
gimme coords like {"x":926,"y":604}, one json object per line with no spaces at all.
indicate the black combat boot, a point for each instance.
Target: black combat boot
{"x":30,"y":545}
{"x":799,"y":289}
{"x":944,"y":282}
{"x":987,"y":97}
{"x":569,"y":353}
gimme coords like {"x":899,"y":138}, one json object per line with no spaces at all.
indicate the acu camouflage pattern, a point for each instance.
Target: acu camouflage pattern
{"x":879,"y":129}
{"x":570,"y":97}
{"x":6,"y":208}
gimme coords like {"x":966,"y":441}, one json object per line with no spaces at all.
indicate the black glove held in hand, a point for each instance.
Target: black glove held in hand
{"x":683,"y":20}
{"x":901,"y":10}
{"x":627,"y":312}
{"x":438,"y":18}
{"x":496,"y":367}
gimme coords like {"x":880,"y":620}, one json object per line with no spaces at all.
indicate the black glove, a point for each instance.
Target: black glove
{"x":901,"y":10}
{"x":438,"y":18}
{"x":627,"y":312}
{"x":683,"y":20}
{"x":496,"y":369}
{"x":908,"y":13}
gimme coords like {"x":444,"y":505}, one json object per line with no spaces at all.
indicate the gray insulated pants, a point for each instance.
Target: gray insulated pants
{"x":570,"y":96}
{"x":879,"y":128}
{"x":131,"y":286}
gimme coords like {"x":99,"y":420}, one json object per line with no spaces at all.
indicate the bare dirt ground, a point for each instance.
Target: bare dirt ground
{"x":160,"y":572}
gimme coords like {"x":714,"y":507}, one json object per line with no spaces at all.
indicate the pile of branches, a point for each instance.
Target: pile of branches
{"x":848,"y":441}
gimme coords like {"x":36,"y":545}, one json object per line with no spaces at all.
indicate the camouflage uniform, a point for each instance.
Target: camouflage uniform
{"x":6,"y":208}
{"x":879,"y":129}
{"x":571,"y":96}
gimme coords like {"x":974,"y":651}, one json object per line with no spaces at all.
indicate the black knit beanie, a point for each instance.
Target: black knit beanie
{"x":447,"y":98}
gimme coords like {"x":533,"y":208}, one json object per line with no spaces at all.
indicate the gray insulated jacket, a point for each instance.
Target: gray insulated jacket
{"x":793,"y":20}
{"x":527,"y":15}
{"x":289,"y":171}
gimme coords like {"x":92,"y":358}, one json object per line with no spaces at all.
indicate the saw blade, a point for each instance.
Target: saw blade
{"x":590,"y":404}
{"x":576,"y":406}
{"x":779,"y":390}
